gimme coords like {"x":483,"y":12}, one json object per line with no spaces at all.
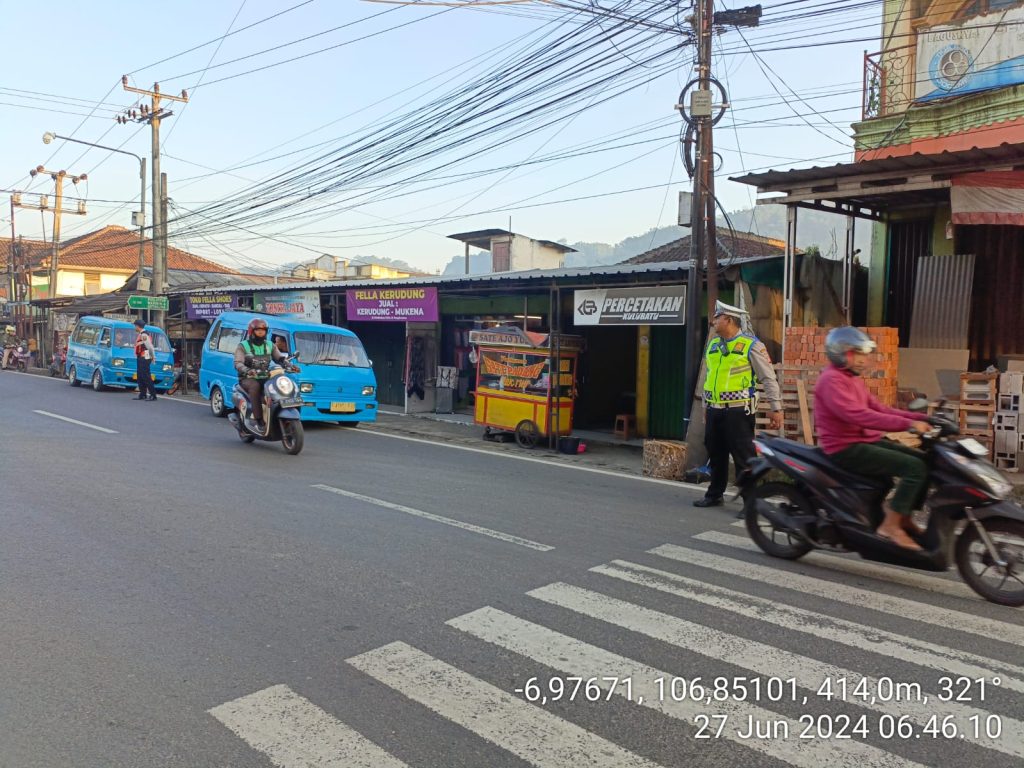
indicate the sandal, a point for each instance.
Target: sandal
{"x":912,"y":545}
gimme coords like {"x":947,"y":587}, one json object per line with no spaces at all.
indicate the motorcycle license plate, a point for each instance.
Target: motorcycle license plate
{"x":343,"y":407}
{"x":295,"y":403}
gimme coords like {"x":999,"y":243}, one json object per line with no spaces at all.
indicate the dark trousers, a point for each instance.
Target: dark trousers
{"x":254,"y":389}
{"x":145,"y":378}
{"x":885,"y":460}
{"x":727,"y":431}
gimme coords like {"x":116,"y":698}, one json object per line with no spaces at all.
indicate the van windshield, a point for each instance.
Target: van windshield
{"x":125,"y":337}
{"x":330,"y":349}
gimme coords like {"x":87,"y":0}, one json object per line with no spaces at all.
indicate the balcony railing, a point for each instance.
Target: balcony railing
{"x":888,"y":81}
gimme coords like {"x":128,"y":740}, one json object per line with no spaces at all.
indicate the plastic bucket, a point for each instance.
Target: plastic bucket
{"x":569,"y":445}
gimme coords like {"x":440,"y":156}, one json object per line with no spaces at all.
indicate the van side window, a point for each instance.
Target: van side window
{"x":105,"y":338}
{"x":123,"y":338}
{"x":280,"y":341}
{"x":89,"y":334}
{"x":229,"y":340}
{"x":214,"y":335}
{"x":77,"y":335}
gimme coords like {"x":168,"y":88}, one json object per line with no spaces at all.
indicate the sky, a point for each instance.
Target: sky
{"x":393,"y":126}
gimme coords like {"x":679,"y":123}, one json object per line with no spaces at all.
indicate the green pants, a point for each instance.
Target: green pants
{"x":884,"y":460}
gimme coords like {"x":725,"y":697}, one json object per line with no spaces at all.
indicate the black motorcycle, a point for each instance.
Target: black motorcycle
{"x":820,"y":506}
{"x":281,"y":405}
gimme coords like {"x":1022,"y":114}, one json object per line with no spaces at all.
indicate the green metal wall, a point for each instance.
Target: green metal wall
{"x":668,"y":347}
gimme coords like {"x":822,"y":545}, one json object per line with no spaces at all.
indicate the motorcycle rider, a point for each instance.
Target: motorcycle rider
{"x":252,"y":361}
{"x":851,"y":426}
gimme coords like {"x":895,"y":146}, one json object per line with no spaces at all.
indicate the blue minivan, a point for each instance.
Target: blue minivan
{"x":336,"y":381}
{"x":101,"y":350}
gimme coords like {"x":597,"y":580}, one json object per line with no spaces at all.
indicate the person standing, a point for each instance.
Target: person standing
{"x":144,"y":353}
{"x":736,"y":362}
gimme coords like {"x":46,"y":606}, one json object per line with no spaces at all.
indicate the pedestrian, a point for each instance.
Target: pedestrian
{"x":736,"y":362}
{"x":33,"y":351}
{"x":144,"y":353}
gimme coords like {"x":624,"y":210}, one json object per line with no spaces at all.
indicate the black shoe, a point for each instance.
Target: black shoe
{"x":712,"y":501}
{"x":151,"y":397}
{"x":141,"y":397}
{"x":740,"y":515}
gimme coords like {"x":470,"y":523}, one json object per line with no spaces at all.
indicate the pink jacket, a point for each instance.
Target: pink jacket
{"x":845,"y":413}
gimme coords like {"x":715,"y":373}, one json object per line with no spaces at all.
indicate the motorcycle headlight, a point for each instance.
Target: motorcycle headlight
{"x":285,"y":385}
{"x":367,"y":391}
{"x":118,"y":362}
{"x":305,"y":387}
{"x":985,"y":475}
{"x":167,"y":368}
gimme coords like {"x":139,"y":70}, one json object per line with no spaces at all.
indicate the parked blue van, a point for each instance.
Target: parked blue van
{"x":101,"y":350}
{"x":336,"y":381}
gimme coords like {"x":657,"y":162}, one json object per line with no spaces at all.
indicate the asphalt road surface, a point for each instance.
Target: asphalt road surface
{"x":172,"y":597}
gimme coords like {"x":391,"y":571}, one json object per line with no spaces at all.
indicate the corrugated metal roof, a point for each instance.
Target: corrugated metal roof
{"x":481,"y":238}
{"x":775,"y":180}
{"x":942,"y":302}
{"x":532,"y":275}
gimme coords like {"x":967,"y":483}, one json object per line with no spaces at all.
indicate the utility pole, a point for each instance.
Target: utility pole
{"x":59,"y":177}
{"x":701,"y":114}
{"x":153,"y":115}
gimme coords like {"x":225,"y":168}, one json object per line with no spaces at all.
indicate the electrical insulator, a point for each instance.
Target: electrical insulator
{"x":124,"y":79}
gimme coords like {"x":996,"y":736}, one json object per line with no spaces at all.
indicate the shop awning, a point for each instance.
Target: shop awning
{"x":996,"y":197}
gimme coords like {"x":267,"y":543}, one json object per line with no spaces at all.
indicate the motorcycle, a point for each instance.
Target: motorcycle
{"x":190,"y":377}
{"x":57,"y":363}
{"x":20,"y":359}
{"x":281,"y":405}
{"x":820,"y":506}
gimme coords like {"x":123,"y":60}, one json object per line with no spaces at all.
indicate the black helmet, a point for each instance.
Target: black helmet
{"x":845,"y":339}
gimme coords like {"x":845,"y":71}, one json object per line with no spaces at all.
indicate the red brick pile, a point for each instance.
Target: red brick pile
{"x":805,"y":358}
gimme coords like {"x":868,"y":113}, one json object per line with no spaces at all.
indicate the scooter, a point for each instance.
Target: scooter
{"x":820,"y":506}
{"x":281,"y":405}
{"x":57,"y":363}
{"x":20,"y":359}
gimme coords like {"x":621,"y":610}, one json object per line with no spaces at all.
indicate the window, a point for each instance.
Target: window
{"x":280,"y":340}
{"x":214,"y":335}
{"x":160,"y":343}
{"x":105,"y":337}
{"x":124,"y":337}
{"x":88,"y":335}
{"x":229,"y":339}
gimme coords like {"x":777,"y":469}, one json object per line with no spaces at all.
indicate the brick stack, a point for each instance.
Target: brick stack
{"x":978,"y":406}
{"x":806,"y":359}
{"x":1008,"y":444}
{"x":805,"y":352}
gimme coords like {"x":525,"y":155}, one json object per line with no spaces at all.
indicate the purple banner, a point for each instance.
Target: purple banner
{"x":209,"y":306}
{"x":392,"y":304}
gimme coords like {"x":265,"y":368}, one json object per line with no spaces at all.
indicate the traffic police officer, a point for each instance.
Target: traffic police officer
{"x":736,"y":361}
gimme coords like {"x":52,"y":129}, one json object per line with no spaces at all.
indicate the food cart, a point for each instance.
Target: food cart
{"x":515,"y":391}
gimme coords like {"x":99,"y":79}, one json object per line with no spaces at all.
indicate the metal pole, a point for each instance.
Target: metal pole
{"x":160,"y":269}
{"x":851,"y":224}
{"x":142,"y":225}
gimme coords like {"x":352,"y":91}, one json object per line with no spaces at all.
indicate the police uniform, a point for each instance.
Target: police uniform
{"x":734,"y":367}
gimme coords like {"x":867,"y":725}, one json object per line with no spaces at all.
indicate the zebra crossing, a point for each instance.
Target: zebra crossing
{"x":876,"y":721}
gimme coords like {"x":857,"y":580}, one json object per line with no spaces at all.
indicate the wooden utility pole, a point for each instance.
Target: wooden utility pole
{"x":153,"y":114}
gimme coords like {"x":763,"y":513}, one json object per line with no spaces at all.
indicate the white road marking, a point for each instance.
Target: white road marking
{"x":739,"y":524}
{"x":837,"y":592}
{"x":438,"y":518}
{"x":295,"y":733}
{"x":767,"y":661}
{"x":546,"y":462}
{"x":527,"y":731}
{"x":860,"y":636}
{"x":579,"y":659}
{"x":842,"y":563}
{"x":76,"y":421}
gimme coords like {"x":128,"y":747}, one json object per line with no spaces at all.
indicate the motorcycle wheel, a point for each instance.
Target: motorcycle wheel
{"x":73,"y":377}
{"x":1001,"y":585}
{"x":772,"y":541}
{"x":292,"y":436}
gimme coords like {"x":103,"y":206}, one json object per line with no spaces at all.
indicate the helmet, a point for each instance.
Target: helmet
{"x":846,"y":339}
{"x":256,"y":322}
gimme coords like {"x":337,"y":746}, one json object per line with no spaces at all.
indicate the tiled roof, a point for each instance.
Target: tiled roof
{"x":35,"y":249}
{"x":731,"y":245}
{"x":115,"y":247}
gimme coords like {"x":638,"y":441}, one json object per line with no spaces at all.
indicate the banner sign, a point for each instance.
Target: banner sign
{"x":976,"y":54}
{"x":304,"y":305}
{"x":392,"y":304}
{"x":209,"y":306}
{"x":631,"y":306}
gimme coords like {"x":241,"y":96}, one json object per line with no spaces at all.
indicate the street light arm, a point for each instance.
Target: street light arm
{"x":52,"y":136}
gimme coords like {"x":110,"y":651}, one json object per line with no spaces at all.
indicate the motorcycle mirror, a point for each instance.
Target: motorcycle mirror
{"x":918,"y":405}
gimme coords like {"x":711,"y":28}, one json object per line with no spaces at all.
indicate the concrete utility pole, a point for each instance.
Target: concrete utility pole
{"x":703,"y":115}
{"x":153,"y":114}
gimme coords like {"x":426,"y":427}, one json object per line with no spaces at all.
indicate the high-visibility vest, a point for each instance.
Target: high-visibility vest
{"x":730,"y":376}
{"x":261,"y":354}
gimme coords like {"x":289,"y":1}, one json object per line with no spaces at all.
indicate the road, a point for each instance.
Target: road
{"x":173,"y":597}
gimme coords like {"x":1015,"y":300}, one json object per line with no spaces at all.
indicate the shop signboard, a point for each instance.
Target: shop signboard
{"x":664,"y":305}
{"x":209,"y":306}
{"x":303,"y":305}
{"x":392,"y":304}
{"x":972,"y":55}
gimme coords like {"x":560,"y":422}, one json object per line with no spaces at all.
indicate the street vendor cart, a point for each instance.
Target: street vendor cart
{"x":515,"y":390}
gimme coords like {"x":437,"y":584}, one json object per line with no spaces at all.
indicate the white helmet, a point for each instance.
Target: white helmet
{"x":842,"y":340}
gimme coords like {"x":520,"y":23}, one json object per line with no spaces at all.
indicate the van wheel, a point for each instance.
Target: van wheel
{"x":73,"y":377}
{"x":97,"y":381}
{"x":217,"y":403}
